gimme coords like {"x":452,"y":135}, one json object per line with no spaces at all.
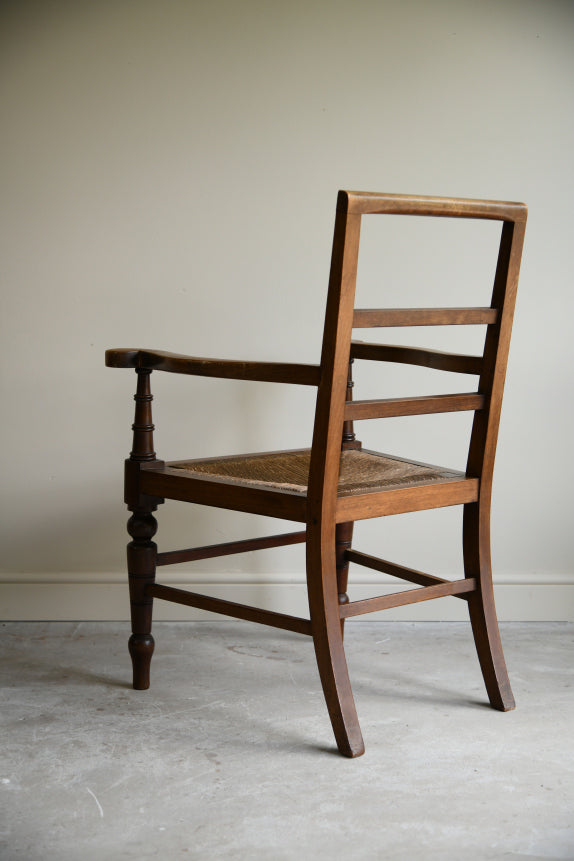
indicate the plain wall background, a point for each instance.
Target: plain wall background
{"x":169,"y":176}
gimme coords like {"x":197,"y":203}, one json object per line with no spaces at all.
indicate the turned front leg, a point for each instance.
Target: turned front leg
{"x":142,"y":552}
{"x":142,"y":526}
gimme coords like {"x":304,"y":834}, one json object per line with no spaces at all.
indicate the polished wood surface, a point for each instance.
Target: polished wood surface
{"x":437,"y":359}
{"x":328,"y":514}
{"x":142,"y":526}
{"x":482,"y":451}
{"x":387,"y":407}
{"x":216,"y":492}
{"x":175,"y":363}
{"x":371,"y":318}
{"x":386,"y":567}
{"x":410,"y":596}
{"x":229,"y":548}
{"x":418,"y":497}
{"x":366,"y":202}
{"x":230,"y":608}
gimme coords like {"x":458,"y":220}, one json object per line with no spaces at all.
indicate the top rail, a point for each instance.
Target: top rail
{"x":365,"y":202}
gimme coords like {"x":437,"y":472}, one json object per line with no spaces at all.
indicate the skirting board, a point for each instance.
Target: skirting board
{"x":89,"y":597}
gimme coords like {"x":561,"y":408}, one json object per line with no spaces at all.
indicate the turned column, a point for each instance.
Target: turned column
{"x":344,"y":531}
{"x":349,"y":440}
{"x":142,"y":526}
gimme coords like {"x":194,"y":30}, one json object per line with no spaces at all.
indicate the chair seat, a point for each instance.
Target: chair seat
{"x":360,"y":471}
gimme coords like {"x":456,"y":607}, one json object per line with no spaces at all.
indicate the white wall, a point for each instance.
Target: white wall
{"x":169,"y":176}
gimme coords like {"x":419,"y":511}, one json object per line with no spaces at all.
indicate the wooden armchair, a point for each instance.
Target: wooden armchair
{"x":336,"y":482}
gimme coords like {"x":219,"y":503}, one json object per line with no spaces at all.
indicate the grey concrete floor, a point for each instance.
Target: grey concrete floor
{"x":230,"y":754}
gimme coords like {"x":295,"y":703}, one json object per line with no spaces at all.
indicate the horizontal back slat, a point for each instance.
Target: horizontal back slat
{"x":388,"y":407}
{"x":368,"y":318}
{"x":417,"y":356}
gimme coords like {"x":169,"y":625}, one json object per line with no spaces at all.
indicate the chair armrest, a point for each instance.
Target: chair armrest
{"x":269,"y":372}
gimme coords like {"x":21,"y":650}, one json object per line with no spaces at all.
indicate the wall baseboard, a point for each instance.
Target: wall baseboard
{"x":90,"y":597}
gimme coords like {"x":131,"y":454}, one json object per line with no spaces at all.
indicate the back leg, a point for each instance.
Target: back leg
{"x":328,"y":641}
{"x":476,"y":548}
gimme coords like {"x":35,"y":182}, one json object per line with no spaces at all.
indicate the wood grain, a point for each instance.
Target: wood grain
{"x":387,"y":407}
{"x":437,"y":359}
{"x":414,"y":498}
{"x":213,"y":491}
{"x":370,"y":318}
{"x":175,"y":363}
{"x":457,"y":588}
{"x":366,"y":202}
{"x":230,"y":608}
{"x":193,"y":554}
{"x":385,"y":567}
{"x":328,"y":518}
{"x":481,"y":456}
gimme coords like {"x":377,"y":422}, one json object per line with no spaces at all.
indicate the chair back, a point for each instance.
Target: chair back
{"x":334,"y":407}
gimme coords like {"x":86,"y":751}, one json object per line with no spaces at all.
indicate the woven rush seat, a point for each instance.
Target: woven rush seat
{"x":359,"y":472}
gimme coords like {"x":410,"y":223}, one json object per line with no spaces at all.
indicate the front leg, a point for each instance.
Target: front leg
{"x":142,"y":526}
{"x":142,"y":552}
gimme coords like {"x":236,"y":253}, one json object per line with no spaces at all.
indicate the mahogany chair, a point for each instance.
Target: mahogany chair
{"x":336,"y":482}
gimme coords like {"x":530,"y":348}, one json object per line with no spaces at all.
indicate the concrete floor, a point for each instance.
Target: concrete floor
{"x":230,"y":754}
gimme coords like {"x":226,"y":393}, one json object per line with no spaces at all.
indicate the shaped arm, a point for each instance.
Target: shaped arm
{"x":268,"y":372}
